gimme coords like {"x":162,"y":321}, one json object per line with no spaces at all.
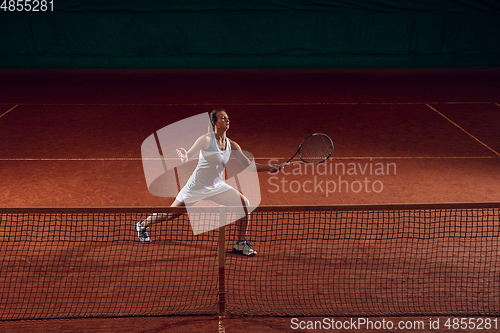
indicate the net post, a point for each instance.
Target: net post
{"x":222,"y":259}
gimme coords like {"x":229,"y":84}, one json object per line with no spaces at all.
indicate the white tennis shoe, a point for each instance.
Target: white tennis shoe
{"x":244,"y":249}
{"x":142,"y":233}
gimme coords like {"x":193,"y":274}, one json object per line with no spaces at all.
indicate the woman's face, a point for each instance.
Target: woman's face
{"x":222,"y":121}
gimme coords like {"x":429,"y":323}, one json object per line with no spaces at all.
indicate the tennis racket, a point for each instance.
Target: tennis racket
{"x":314,"y":149}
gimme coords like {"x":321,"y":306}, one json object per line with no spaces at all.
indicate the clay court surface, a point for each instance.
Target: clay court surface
{"x":72,"y":138}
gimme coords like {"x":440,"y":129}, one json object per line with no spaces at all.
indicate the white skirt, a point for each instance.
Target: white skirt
{"x":193,"y":192}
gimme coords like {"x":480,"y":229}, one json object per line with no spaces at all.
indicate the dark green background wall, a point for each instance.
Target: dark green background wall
{"x":253,"y":34}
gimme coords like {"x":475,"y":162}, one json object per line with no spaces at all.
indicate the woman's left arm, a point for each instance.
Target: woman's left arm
{"x":245,"y":161}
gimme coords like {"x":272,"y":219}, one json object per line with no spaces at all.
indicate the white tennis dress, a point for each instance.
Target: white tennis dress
{"x":208,"y":177}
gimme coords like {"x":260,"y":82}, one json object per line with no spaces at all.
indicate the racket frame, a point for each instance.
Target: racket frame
{"x":300,"y":146}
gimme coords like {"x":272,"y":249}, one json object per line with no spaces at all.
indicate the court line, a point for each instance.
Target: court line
{"x":243,"y":104}
{"x":9,"y":110}
{"x":461,"y":128}
{"x":222,"y":329}
{"x":117,"y":159}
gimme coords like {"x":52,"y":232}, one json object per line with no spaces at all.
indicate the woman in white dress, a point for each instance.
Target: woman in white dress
{"x":207,"y":180}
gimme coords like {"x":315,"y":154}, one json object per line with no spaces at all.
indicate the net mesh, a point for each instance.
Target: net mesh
{"x":316,"y":148}
{"x":311,"y":261}
{"x":369,"y":263}
{"x":79,"y":264}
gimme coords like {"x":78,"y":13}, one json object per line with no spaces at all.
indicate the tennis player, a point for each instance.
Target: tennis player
{"x":207,"y":181}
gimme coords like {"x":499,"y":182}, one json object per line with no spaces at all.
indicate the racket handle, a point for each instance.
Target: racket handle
{"x":293,"y":162}
{"x":282,"y":165}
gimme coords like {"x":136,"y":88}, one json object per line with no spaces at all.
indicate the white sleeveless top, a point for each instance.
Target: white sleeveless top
{"x":208,"y":177}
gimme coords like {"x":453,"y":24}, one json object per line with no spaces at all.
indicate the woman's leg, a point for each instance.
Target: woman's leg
{"x":235,"y":199}
{"x":142,"y":226}
{"x":160,"y":217}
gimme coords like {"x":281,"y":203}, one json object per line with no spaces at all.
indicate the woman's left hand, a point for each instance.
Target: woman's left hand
{"x":276,"y":168}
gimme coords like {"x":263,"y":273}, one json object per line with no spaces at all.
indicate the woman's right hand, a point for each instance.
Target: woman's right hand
{"x":182,"y":153}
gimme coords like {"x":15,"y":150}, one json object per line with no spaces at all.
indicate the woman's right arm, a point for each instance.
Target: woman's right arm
{"x":203,"y":142}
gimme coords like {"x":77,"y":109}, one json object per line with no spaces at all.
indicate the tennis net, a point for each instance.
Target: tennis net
{"x":359,"y":260}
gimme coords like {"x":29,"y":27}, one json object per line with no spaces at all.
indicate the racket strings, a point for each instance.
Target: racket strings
{"x":316,"y":149}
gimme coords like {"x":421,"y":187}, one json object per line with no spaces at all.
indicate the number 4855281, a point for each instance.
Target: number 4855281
{"x":27,"y":5}
{"x":472,"y":324}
